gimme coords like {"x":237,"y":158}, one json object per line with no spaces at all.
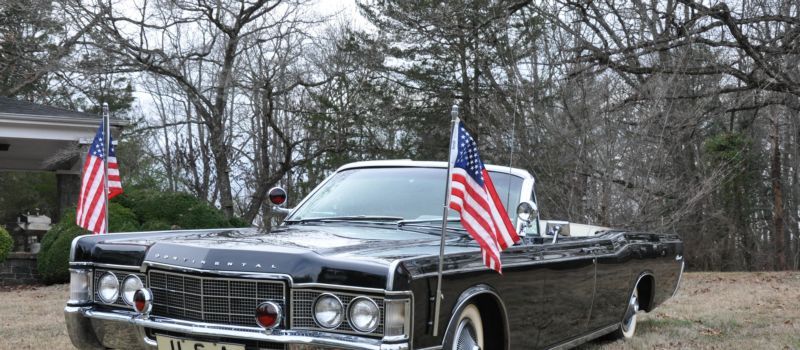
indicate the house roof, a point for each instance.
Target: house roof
{"x":43,"y":138}
{"x":12,"y":106}
{"x":23,"y":110}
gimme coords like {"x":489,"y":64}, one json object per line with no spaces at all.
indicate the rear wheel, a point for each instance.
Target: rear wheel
{"x":468,"y":334}
{"x":628,"y":325}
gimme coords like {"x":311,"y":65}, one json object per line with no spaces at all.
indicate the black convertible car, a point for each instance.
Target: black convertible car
{"x":354,"y":266}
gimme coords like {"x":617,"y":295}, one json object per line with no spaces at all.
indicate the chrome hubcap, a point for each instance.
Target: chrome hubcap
{"x":465,"y":336}
{"x":630,"y":314}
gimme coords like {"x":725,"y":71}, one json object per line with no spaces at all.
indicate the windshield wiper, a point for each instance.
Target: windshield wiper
{"x":349,"y":218}
{"x":430,"y":223}
{"x":424,"y":221}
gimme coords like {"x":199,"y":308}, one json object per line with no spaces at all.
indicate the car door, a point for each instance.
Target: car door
{"x":521,"y":286}
{"x":614,"y":281}
{"x":568,"y":275}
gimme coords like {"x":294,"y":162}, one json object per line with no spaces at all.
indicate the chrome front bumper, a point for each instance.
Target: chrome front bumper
{"x":92,"y":329}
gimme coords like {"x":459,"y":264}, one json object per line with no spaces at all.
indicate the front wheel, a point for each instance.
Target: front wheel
{"x":628,"y":325}
{"x":468,"y":334}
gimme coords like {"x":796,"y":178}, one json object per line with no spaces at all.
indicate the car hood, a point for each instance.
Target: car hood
{"x":356,"y":254}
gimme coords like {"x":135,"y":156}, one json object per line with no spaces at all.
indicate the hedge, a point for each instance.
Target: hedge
{"x":136,"y":210}
{"x":6,"y":244}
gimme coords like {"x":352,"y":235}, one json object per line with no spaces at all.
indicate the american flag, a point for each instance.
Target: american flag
{"x":91,"y":204}
{"x":473,"y":195}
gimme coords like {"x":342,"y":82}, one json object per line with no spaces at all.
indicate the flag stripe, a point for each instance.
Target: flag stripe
{"x":89,"y":163}
{"x":89,"y":191}
{"x":94,"y":192}
{"x":476,"y":206}
{"x":474,"y":197}
{"x":91,"y":211}
{"x":506,"y":233}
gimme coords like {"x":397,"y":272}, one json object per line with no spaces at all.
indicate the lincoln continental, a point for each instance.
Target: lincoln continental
{"x":354,"y":265}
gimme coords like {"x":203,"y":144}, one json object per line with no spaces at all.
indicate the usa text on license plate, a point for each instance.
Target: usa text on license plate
{"x":170,"y":343}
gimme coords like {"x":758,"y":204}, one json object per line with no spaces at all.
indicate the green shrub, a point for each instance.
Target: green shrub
{"x":135,"y":210}
{"x":174,"y":209}
{"x":121,"y":219}
{"x":53,"y":259}
{"x":6,"y":244}
{"x":155,"y":225}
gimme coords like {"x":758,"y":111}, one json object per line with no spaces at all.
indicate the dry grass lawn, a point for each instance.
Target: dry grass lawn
{"x":723,"y":311}
{"x":711,"y":311}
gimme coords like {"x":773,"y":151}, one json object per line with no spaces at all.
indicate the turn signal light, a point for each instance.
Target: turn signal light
{"x":268,"y":314}
{"x":277,"y":196}
{"x":143,"y":301}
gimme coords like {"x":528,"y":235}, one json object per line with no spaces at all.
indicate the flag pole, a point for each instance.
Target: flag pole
{"x":106,"y":148}
{"x":439,"y":296}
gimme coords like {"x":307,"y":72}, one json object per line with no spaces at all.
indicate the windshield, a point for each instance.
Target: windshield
{"x":405,"y":193}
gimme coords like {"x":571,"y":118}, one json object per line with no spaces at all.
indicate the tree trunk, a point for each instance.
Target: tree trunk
{"x":777,"y":193}
{"x":222,"y":168}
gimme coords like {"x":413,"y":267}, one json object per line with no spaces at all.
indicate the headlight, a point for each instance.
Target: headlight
{"x":79,"y":286}
{"x":130,"y":285}
{"x":108,"y":288}
{"x":328,"y":311}
{"x":364,"y":314}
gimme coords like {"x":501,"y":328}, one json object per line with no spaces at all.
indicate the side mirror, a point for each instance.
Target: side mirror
{"x":557,"y":228}
{"x":527,"y":211}
{"x":556,"y":231}
{"x":278,"y":197}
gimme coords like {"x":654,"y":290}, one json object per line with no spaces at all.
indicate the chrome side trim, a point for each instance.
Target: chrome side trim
{"x":594,"y":291}
{"x":466,"y":296}
{"x":652,"y":292}
{"x":176,"y":231}
{"x":585,"y":338}
{"x":73,"y":245}
{"x":117,"y":267}
{"x":680,"y":277}
{"x":481,"y":267}
{"x":390,"y":275}
{"x":329,"y":287}
{"x":505,"y":266}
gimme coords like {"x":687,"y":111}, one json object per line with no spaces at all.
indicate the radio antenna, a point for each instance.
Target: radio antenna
{"x":511,"y":156}
{"x":453,"y":145}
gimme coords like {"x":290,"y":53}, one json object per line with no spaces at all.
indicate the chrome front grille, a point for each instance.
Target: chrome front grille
{"x":121,"y":274}
{"x":303,"y":305}
{"x":212,"y":299}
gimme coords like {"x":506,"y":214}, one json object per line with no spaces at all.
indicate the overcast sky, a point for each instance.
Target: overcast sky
{"x":340,"y":10}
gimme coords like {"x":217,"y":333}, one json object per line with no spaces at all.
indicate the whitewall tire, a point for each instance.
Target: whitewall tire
{"x":468,"y":334}
{"x":627,"y":327}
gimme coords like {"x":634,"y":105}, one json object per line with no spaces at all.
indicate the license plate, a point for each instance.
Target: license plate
{"x":170,"y":343}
